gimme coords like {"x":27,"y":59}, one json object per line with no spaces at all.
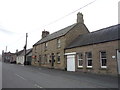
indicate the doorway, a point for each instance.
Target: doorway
{"x":53,"y":60}
{"x":71,"y":63}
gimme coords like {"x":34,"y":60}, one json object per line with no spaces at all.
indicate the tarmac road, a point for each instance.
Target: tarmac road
{"x":20,"y":76}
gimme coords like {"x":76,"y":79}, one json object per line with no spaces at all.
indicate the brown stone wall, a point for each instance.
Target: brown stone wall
{"x":39,"y":50}
{"x":109,"y":47}
{"x":52,"y":48}
{"x":79,"y":29}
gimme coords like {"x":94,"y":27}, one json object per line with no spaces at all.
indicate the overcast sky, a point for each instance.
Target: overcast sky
{"x":18,"y":17}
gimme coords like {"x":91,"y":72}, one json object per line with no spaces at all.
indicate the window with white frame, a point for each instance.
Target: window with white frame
{"x":46,"y":45}
{"x":45,"y":58}
{"x":48,"y":57}
{"x":58,"y":57}
{"x":89,"y":59}
{"x":103,"y":59}
{"x":58,"y":43}
{"x":80,"y":59}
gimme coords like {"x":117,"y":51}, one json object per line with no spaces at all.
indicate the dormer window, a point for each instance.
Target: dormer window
{"x":58,"y":43}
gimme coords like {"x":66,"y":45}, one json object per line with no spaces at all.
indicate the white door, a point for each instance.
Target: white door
{"x":118,"y":60}
{"x":70,"y":62}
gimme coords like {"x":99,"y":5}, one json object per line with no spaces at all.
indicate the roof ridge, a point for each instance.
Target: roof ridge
{"x":99,"y":36}
{"x":56,"y":34}
{"x":105,"y":28}
{"x":62,"y":29}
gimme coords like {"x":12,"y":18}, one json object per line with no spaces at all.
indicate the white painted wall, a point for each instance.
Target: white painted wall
{"x":20,"y":59}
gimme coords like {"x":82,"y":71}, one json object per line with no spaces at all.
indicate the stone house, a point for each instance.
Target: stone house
{"x":8,"y":57}
{"x":49,"y":51}
{"x":20,"y":59}
{"x":95,"y":52}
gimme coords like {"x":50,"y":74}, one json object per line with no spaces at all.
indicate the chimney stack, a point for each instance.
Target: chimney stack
{"x":16,"y":51}
{"x":44,"y":33}
{"x":80,"y":18}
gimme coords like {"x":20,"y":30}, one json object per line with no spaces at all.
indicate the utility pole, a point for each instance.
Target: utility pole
{"x":6,"y":48}
{"x":25,"y":49}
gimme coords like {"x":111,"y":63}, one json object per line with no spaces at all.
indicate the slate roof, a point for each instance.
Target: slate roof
{"x":29,"y":51}
{"x":104,"y":35}
{"x":19,"y":53}
{"x":56,"y":34}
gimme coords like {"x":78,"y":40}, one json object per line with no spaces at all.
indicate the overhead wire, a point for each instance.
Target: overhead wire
{"x":69,"y":13}
{"x":60,"y":18}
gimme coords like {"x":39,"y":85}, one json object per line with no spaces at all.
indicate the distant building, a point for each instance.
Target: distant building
{"x":20,"y":57}
{"x":8,"y":57}
{"x":29,"y":56}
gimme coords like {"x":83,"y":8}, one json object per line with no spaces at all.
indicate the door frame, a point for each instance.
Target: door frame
{"x":71,"y":54}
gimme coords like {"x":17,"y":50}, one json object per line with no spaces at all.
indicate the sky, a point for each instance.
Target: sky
{"x":18,"y":17}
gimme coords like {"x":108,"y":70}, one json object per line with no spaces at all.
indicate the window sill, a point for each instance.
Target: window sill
{"x":58,"y":62}
{"x":58,"y":47}
{"x":89,"y":67}
{"x":101,"y":68}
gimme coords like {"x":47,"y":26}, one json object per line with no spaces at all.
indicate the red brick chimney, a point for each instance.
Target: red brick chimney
{"x":44,"y":33}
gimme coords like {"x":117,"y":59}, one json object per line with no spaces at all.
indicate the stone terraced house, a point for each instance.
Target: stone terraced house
{"x":49,"y":51}
{"x":74,"y":48}
{"x":95,"y":52}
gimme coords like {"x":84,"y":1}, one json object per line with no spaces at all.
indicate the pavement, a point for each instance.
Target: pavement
{"x":20,"y":76}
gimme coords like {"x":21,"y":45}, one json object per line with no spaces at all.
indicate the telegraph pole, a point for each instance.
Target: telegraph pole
{"x":25,"y":49}
{"x":6,"y":48}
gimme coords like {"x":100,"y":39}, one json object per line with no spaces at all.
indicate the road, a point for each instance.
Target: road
{"x":19,"y":76}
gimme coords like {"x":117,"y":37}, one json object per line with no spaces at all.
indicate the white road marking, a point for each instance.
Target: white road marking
{"x":20,"y":76}
{"x":36,"y":85}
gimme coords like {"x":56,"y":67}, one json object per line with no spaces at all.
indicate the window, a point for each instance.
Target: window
{"x":58,"y":57}
{"x":42,"y":59}
{"x":89,"y":59}
{"x":46,"y":46}
{"x":45,"y":58}
{"x":103,"y":59}
{"x":58,"y":43}
{"x":39,"y":59}
{"x":48,"y":57}
{"x":80,"y":59}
